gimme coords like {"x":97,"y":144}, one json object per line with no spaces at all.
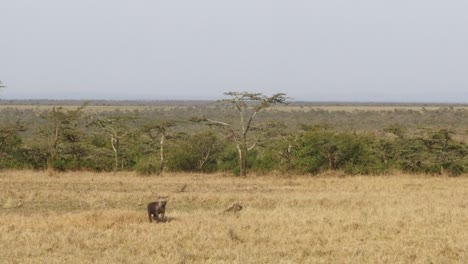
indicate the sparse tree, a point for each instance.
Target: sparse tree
{"x":61,"y":127}
{"x":206,"y":146}
{"x":116,"y":128}
{"x":247,"y":105}
{"x":158,"y":132}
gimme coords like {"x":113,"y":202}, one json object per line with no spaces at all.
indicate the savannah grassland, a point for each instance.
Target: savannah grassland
{"x":101,"y":218}
{"x":285,"y":108}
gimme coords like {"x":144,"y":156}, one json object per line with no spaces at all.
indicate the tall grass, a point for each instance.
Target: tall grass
{"x":101,"y":218}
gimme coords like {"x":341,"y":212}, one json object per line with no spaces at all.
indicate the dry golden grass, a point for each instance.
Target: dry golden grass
{"x":101,"y":218}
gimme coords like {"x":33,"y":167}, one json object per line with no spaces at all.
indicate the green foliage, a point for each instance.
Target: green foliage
{"x":228,"y":160}
{"x":247,"y":105}
{"x":196,"y":153}
{"x":181,"y":160}
{"x":70,"y":140}
{"x":205,"y":148}
{"x":433,"y":153}
{"x":34,"y":157}
{"x":99,"y":141}
{"x":148,"y":165}
{"x":309,"y":157}
{"x":321,"y":150}
{"x":396,"y":129}
{"x":456,"y":169}
{"x":10,"y":145}
{"x":266,"y":162}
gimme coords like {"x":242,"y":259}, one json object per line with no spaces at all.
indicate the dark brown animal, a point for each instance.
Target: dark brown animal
{"x":156,"y":210}
{"x":235,"y":208}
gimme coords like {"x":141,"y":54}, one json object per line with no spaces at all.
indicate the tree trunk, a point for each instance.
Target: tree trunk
{"x":288,"y":159}
{"x":163,"y":161}
{"x":115,"y":147}
{"x":242,"y":160}
{"x":53,"y":151}
{"x":116,"y":160}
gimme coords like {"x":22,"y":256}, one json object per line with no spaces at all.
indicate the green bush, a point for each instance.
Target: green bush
{"x":181,"y":160}
{"x":229,"y":160}
{"x":148,"y":165}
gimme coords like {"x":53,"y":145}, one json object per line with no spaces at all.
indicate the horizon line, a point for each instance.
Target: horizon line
{"x":216,"y":100}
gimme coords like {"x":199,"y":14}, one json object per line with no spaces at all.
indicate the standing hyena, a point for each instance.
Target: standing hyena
{"x":157,"y":210}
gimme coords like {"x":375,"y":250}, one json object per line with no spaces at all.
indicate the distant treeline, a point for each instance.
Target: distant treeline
{"x":74,"y":102}
{"x":152,"y":141}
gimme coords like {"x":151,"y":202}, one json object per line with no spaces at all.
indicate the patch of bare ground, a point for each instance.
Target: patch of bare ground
{"x":87,"y":217}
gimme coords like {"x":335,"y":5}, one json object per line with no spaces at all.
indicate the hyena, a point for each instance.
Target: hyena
{"x":157,"y":210}
{"x":235,"y":208}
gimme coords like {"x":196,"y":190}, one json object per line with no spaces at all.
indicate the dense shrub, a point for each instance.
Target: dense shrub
{"x":311,"y":149}
{"x":148,"y":165}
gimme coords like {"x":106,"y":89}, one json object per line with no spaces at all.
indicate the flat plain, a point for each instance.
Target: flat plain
{"x":285,"y":108}
{"x":83,"y":217}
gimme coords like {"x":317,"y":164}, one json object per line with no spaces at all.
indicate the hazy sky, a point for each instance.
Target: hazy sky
{"x":316,"y":50}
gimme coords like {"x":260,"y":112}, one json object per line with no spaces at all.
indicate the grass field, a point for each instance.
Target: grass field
{"x":286,"y":108}
{"x":101,"y":218}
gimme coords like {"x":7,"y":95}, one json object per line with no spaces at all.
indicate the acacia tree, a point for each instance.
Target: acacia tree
{"x":247,"y":105}
{"x":158,"y":131}
{"x":62,"y":127}
{"x":116,"y":128}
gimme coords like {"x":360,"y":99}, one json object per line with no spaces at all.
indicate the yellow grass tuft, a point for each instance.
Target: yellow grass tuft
{"x":101,"y":218}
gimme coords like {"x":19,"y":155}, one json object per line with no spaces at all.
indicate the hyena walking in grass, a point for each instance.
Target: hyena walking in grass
{"x":235,"y":208}
{"x":156,"y":210}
